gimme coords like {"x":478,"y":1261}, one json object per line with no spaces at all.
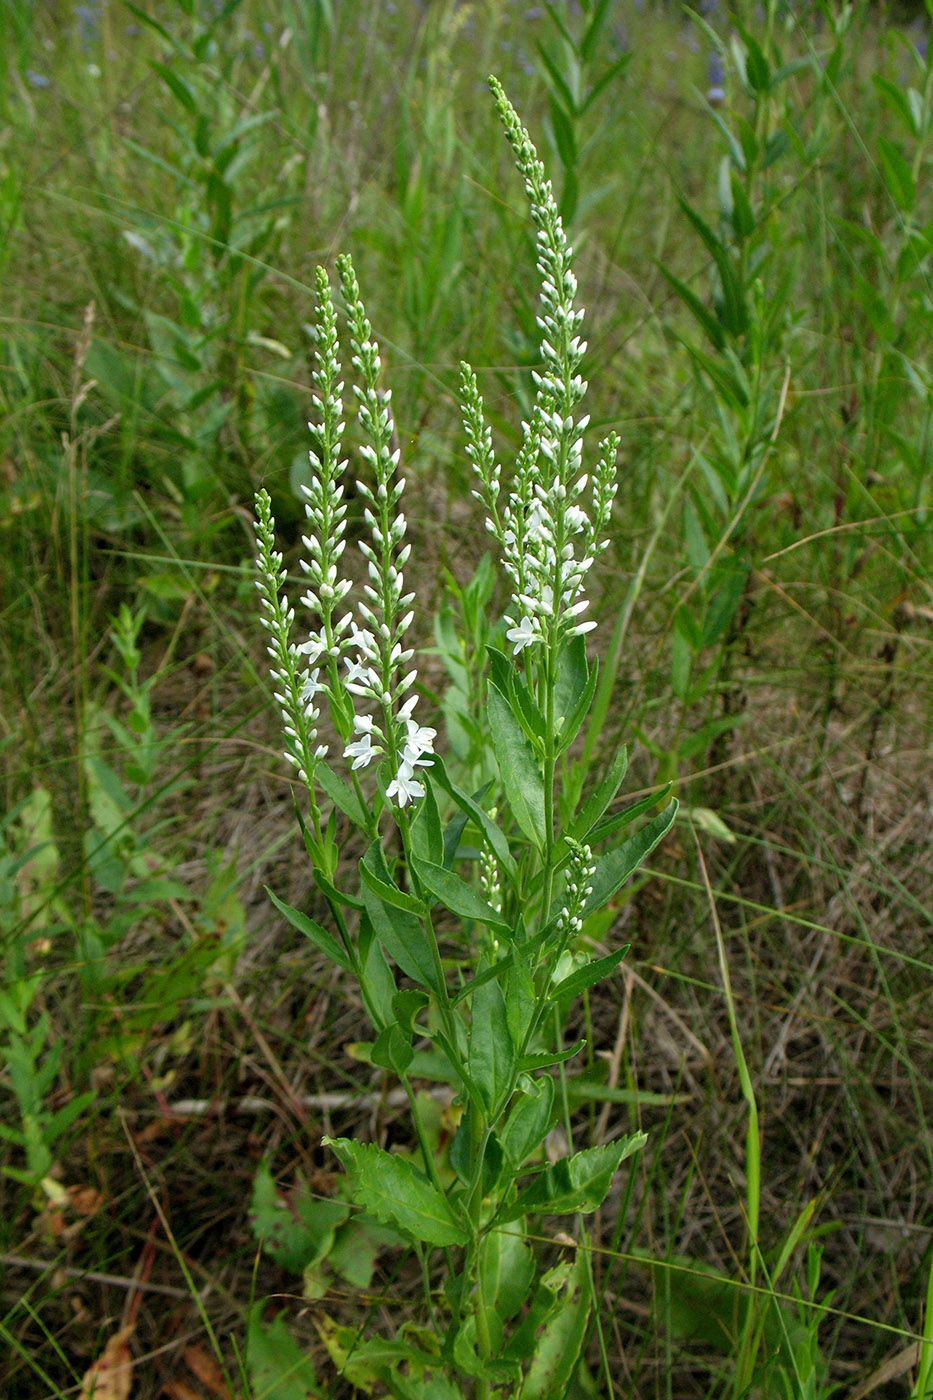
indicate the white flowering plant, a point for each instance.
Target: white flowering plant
{"x":467,"y":921}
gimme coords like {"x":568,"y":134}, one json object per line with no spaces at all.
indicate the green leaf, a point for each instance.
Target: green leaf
{"x":177,"y":86}
{"x":897,"y":101}
{"x":898,"y":177}
{"x":545,"y":1058}
{"x":529,"y":1120}
{"x":733,"y":313}
{"x":375,"y":875}
{"x":275,"y":1362}
{"x":330,"y":891}
{"x":701,"y":313}
{"x":520,"y":1000}
{"x":510,"y":683}
{"x":587,"y":976}
{"x":461,"y":1153}
{"x":427,"y":835}
{"x":560,"y":1342}
{"x":521,"y":778}
{"x":375,"y":975}
{"x":600,"y":797}
{"x":576,"y":686}
{"x":456,"y":895}
{"x":342,"y":796}
{"x":507,"y":1267}
{"x":392,"y":1051}
{"x":322,"y":940}
{"x":492,"y":1053}
{"x":404,"y":939}
{"x":470,"y":805}
{"x":356,"y":1248}
{"x":294,"y":1229}
{"x":757,"y":68}
{"x":577,"y":1183}
{"x":395,"y":1192}
{"x":614,"y":868}
{"x":61,"y":1121}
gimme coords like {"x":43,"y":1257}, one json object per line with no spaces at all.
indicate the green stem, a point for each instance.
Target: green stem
{"x":747,"y":1349}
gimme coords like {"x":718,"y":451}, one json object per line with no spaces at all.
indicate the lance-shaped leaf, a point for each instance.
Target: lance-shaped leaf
{"x":529,"y":1120}
{"x":600,"y":797}
{"x":588,"y":975}
{"x":545,"y":1058}
{"x":396,"y":1193}
{"x":521,"y":778}
{"x":613,"y":869}
{"x":399,"y":932}
{"x":492,"y":1053}
{"x":507,"y":1268}
{"x":427,"y":834}
{"x":470,"y":805}
{"x":375,"y":874}
{"x":456,"y":895}
{"x":322,"y":940}
{"x":578,"y":1183}
{"x":558,"y":1347}
{"x":342,"y":796}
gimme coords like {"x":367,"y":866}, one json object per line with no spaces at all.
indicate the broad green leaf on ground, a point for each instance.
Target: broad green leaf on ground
{"x":276,"y":1365}
{"x":295,"y":1229}
{"x":395,"y":1192}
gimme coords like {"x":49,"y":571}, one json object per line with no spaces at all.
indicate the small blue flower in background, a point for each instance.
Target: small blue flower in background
{"x":37,"y":80}
{"x":716,"y":79}
{"x":88,"y":17}
{"x":921,"y":37}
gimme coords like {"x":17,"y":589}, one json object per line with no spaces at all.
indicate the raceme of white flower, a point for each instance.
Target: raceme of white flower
{"x":377,"y":672}
{"x":580,"y":870}
{"x":298,"y":686}
{"x":549,"y":538}
{"x":373,"y":653}
{"x":324,"y":505}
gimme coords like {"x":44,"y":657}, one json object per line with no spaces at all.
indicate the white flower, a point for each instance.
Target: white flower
{"x":361,"y":680}
{"x":361,"y":751}
{"x":420,"y":740}
{"x":404,"y":786}
{"x":523,"y":635}
{"x":313,"y":649}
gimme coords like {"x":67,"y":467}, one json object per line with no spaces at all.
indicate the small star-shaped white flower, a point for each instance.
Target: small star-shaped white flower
{"x":523,"y":635}
{"x":404,"y":787}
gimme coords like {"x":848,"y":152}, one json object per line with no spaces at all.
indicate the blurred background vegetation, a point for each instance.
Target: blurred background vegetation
{"x":747,"y":191}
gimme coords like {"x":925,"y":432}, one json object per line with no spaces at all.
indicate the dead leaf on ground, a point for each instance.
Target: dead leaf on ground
{"x":84,"y":1200}
{"x":111,"y":1376}
{"x":180,"y":1390}
{"x":208,"y":1372}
